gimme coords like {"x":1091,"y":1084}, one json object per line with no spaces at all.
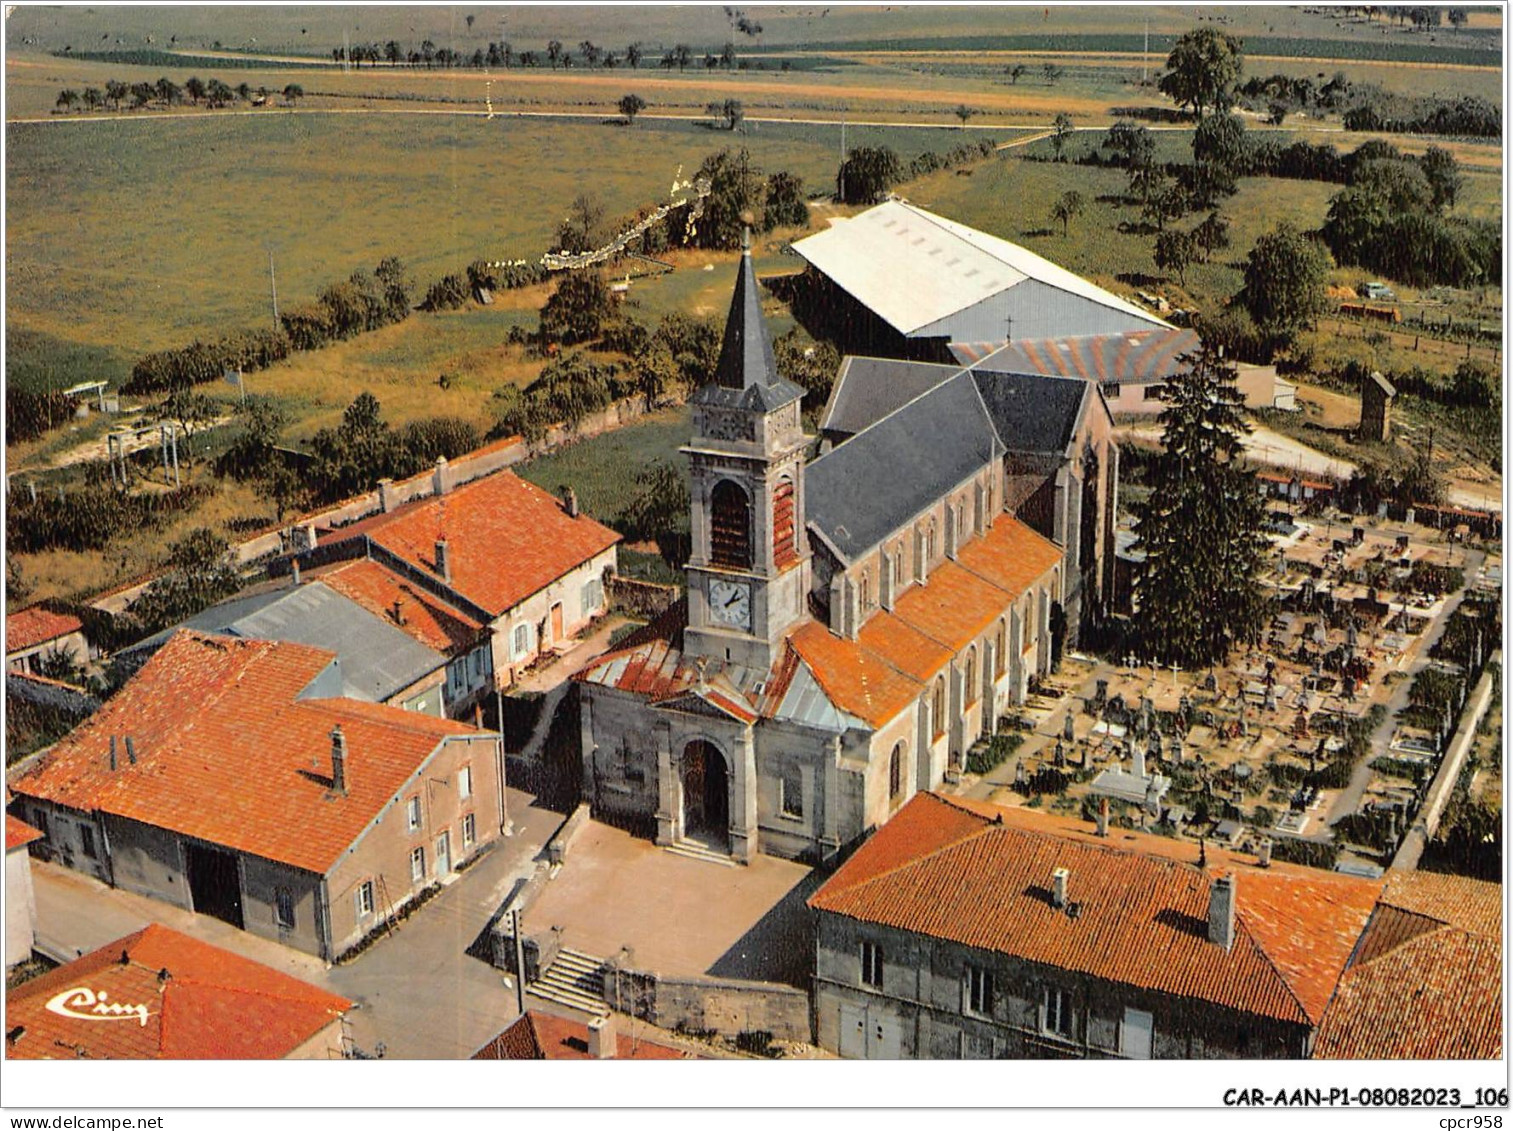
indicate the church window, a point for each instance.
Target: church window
{"x":898,"y":569}
{"x":791,"y":793}
{"x":971,"y":695}
{"x":1000,"y":647}
{"x":729,"y":526}
{"x":784,"y":528}
{"x":938,"y":708}
{"x":930,"y":542}
{"x":864,"y":590}
{"x":896,"y":772}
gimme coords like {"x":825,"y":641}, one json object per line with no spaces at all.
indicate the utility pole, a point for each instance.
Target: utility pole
{"x":1145,"y":58}
{"x":840,"y":179}
{"x":273,"y":286}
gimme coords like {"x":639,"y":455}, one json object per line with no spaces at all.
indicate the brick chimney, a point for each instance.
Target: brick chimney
{"x":397,"y":611}
{"x":1058,"y":887}
{"x":338,"y":761}
{"x":443,"y":562}
{"x":1221,"y":911}
{"x":601,"y":1038}
{"x":570,"y":502}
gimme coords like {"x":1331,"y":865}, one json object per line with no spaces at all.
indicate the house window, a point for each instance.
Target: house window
{"x":896,"y":772}
{"x":872,"y":965}
{"x":412,"y":813}
{"x":979,"y":991}
{"x":1135,"y":1033}
{"x":729,"y":526}
{"x":283,"y":908}
{"x":465,"y":782}
{"x":1152,"y":392}
{"x":521,"y":642}
{"x":364,"y":899}
{"x":87,"y":840}
{"x":457,"y":677}
{"x":39,"y":821}
{"x":938,"y":707}
{"x":418,"y":863}
{"x":1056,"y":1014}
{"x":791,"y":793}
{"x":1111,"y":390}
{"x":593,"y":595}
{"x":469,"y":830}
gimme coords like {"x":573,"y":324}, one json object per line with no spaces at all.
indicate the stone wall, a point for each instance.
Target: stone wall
{"x":726,"y":1006}
{"x":643,"y":599}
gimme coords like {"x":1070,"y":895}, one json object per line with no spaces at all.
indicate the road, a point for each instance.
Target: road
{"x":417,"y":990}
{"x":1349,"y":798}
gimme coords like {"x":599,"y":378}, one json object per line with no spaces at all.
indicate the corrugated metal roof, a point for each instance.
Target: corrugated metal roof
{"x":375,"y":658}
{"x":1137,"y":357}
{"x":912,"y":268}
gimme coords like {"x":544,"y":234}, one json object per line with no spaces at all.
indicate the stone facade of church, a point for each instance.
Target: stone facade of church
{"x":853,"y":624}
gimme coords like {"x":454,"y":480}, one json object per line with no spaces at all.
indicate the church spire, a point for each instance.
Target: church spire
{"x":746,"y":357}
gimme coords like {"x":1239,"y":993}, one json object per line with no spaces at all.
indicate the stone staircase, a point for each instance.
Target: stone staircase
{"x":696,"y":851}
{"x":575,"y":980}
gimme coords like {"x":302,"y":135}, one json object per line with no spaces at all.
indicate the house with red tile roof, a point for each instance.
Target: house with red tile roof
{"x":158,"y":994}
{"x":968,"y":930}
{"x":1426,"y":982}
{"x":230,"y":777}
{"x":20,"y":900}
{"x":35,"y":633}
{"x":492,"y":573}
{"x":545,"y":1036}
{"x":854,"y":623}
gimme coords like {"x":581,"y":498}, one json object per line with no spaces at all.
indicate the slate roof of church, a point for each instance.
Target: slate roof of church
{"x":746,"y":374}
{"x":1029,"y":413}
{"x":980,"y":875}
{"x":200,"y":1003}
{"x":861,"y":491}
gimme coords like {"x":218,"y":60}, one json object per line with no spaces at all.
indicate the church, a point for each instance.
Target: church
{"x":854,"y":622}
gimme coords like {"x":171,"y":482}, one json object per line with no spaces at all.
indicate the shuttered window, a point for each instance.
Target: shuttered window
{"x":784,"y":541}
{"x":729,"y":526}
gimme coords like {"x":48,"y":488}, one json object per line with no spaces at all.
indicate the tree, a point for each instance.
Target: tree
{"x":727,"y":56}
{"x":1052,"y":73}
{"x":1166,"y":202}
{"x":1015,"y":73}
{"x":68,"y":99}
{"x":736,"y":190}
{"x":582,"y":229}
{"x":1199,"y":593}
{"x":361,"y":450}
{"x":191,"y":411}
{"x":293,"y":93}
{"x":169,"y":92}
{"x":682,"y":55}
{"x":1221,"y":152}
{"x":576,"y":309}
{"x":659,"y":510}
{"x":630,"y":106}
{"x":94,"y":97}
{"x":1285,"y":276}
{"x":218,"y":94}
{"x":1070,"y":206}
{"x":591,"y":52}
{"x":392,"y":53}
{"x":244,"y":91}
{"x":786,"y":205}
{"x":251,"y":452}
{"x":1176,"y":251}
{"x":1202,"y":69}
{"x":1444,"y":177}
{"x":194,"y":86}
{"x":730,"y":111}
{"x":1061,"y":130}
{"x":867,"y":174}
{"x":199,"y":574}
{"x":1212,"y":234}
{"x":964,"y":112}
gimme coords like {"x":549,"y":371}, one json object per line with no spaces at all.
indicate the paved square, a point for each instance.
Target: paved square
{"x":680,"y":915}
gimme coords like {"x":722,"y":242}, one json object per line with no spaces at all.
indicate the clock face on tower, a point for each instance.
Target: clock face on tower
{"x":730,"y":603}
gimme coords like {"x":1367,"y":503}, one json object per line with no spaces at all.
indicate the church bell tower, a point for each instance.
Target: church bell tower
{"x":747,"y":571}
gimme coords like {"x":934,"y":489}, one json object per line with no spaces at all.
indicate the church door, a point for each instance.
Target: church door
{"x":706,"y":795}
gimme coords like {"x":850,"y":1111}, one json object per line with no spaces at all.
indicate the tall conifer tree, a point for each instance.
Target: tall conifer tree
{"x":1199,"y":593}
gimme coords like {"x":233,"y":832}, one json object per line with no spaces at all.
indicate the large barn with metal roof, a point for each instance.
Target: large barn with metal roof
{"x":911,"y":284}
